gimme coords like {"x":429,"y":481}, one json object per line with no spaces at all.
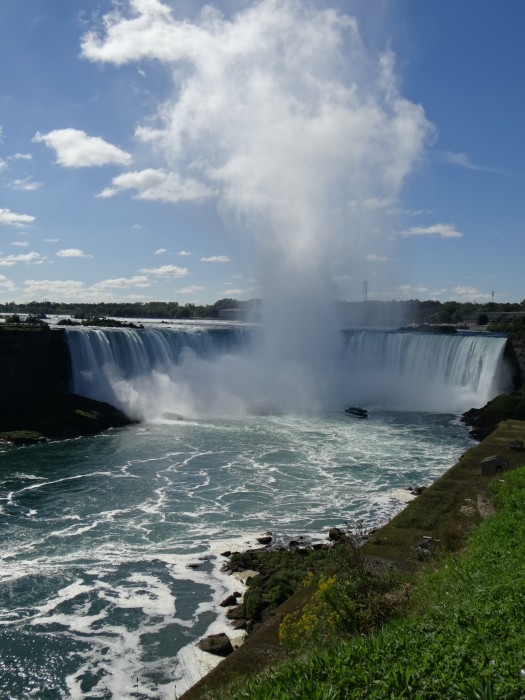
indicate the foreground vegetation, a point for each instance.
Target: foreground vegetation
{"x":461,"y":635}
{"x":368,"y":619}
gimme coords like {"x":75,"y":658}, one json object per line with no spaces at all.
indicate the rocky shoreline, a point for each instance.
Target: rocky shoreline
{"x":438,"y":520}
{"x":271,"y":575}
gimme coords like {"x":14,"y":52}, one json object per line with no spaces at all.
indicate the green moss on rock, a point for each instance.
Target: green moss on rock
{"x":60,"y":416}
{"x":22,"y":437}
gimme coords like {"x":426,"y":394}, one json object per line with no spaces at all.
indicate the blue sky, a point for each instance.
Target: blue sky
{"x":173,"y":150}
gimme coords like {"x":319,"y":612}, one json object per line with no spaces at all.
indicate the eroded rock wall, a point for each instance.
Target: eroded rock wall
{"x":33,"y":364}
{"x":515,"y":355}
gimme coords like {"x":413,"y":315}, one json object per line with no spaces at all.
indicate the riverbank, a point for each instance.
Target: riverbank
{"x":438,"y":521}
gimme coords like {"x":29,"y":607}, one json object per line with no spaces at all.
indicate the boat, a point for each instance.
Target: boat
{"x":357,"y":412}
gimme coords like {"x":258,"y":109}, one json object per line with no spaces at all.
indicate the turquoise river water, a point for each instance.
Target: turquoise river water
{"x":110,"y":564}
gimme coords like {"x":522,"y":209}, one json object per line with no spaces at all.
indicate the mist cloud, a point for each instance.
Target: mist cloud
{"x":280,"y":110}
{"x":299,"y":130}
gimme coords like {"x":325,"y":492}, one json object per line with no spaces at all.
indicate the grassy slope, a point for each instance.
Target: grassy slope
{"x":448,"y":510}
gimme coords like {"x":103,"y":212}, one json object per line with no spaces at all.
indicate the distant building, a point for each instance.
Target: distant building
{"x":501,"y":315}
{"x":232,"y":314}
{"x":250,"y":314}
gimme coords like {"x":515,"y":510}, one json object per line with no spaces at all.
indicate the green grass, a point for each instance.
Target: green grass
{"x":462,"y":636}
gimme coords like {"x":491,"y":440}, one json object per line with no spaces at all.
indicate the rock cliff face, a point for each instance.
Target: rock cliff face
{"x":483,"y":421}
{"x":515,"y":352}
{"x":35,"y":373}
{"x":33,"y":363}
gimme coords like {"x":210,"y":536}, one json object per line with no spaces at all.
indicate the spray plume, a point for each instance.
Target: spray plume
{"x":281,"y":113}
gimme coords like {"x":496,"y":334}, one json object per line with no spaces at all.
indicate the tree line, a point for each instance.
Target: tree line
{"x":411,"y":311}
{"x":149,"y":309}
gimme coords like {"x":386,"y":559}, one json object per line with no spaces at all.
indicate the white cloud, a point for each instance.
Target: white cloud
{"x":468,"y":293}
{"x":150,"y":31}
{"x":407,"y":291}
{"x":26,"y":184}
{"x":75,"y":149}
{"x":3,"y":165}
{"x":6,"y":284}
{"x":9,"y":218}
{"x":463,"y":160}
{"x":409,"y":212}
{"x":217,"y":259}
{"x":20,"y":244}
{"x":233,"y":292}
{"x":192,"y":289}
{"x":185,"y":252}
{"x":417,"y":212}
{"x":57,"y":289}
{"x":20,"y":156}
{"x":76,"y":290}
{"x":166,"y":271}
{"x":435,"y":231}
{"x":30,"y":258}
{"x":376,"y":258}
{"x":160,"y":251}
{"x":403,"y":291}
{"x":373,"y":203}
{"x":51,"y":240}
{"x":158,"y":185}
{"x":136,"y":281}
{"x":72,"y":253}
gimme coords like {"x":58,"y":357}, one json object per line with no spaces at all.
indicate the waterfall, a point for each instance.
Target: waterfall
{"x":209,"y":370}
{"x":443,"y":373}
{"x":139,"y":370}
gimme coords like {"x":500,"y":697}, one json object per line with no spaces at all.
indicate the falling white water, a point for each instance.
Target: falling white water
{"x":425,"y":372}
{"x":210,"y":371}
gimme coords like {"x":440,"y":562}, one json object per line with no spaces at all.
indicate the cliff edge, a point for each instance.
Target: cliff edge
{"x":35,"y":402}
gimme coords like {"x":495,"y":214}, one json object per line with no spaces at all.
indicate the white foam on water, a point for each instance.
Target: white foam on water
{"x":113,"y":544}
{"x":403,"y":495}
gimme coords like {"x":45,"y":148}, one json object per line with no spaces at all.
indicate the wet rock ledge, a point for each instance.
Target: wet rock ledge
{"x":58,"y":417}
